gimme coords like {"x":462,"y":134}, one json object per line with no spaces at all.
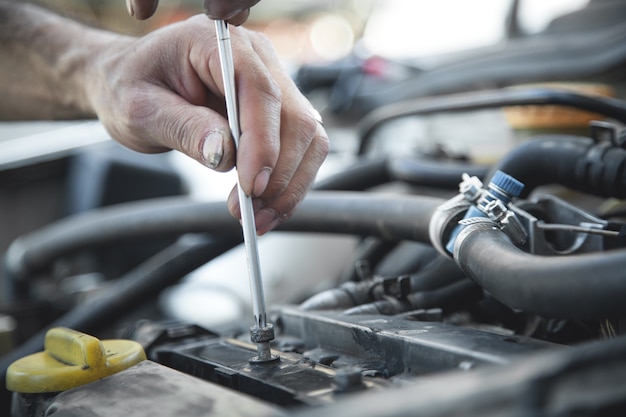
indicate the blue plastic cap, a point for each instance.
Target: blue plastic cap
{"x":507,"y":183}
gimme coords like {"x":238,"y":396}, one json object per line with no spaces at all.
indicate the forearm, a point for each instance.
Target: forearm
{"x":44,"y":67}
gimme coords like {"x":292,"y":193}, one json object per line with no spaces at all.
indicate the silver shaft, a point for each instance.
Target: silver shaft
{"x":245,"y":201}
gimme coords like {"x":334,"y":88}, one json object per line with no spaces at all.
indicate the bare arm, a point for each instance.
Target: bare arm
{"x":43,"y":65}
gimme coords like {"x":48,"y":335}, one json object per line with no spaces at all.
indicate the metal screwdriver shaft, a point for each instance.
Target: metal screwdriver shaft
{"x":261,"y":332}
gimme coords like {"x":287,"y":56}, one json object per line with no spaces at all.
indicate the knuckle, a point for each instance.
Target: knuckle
{"x":289,"y":201}
{"x":271,"y":90}
{"x":303,"y":126}
{"x":307,"y":124}
{"x":136,"y":107}
{"x":322,"y":145}
{"x":321,"y":141}
{"x":261,"y":40}
{"x":131,"y":120}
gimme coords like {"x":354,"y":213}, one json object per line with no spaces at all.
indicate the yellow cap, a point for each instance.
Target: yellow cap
{"x":71,"y":359}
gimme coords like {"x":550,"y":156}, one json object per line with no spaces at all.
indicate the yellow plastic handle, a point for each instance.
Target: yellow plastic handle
{"x":71,"y":359}
{"x":75,"y":348}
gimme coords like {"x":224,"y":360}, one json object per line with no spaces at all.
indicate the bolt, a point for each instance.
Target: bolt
{"x":262,"y":334}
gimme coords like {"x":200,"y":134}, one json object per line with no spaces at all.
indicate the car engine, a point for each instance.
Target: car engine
{"x":485,"y":276}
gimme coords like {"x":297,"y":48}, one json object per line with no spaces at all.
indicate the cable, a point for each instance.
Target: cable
{"x":370,"y":172}
{"x":386,"y":216}
{"x":454,"y":296}
{"x":611,"y":108}
{"x":440,"y":272}
{"x":361,"y":175}
{"x":111,"y":225}
{"x":431,"y":173}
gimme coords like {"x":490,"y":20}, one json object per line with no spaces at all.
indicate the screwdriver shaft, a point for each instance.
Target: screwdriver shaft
{"x":245,"y":201}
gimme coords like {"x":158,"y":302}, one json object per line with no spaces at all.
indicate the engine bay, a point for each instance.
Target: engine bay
{"x":469,"y":284}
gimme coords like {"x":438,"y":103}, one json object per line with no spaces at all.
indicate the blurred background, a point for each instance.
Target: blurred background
{"x":306,"y":31}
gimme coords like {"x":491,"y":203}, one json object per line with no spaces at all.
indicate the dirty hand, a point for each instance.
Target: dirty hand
{"x":165,"y":91}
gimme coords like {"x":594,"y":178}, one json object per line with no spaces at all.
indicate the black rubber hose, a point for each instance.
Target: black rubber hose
{"x":608,"y":107}
{"x":430,"y":173}
{"x":572,"y":161}
{"x":347,"y":295}
{"x":393,"y":217}
{"x":585,"y":286}
{"x":361,"y":175}
{"x":406,"y":258}
{"x":110,"y":225}
{"x":367,"y":173}
{"x":452,"y":297}
{"x":435,"y":273}
{"x":369,"y":252}
{"x":126,"y":293}
{"x":441,"y":271}
{"x":385,"y":216}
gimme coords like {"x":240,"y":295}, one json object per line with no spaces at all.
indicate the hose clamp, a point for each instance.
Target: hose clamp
{"x":444,"y":220}
{"x":507,"y":221}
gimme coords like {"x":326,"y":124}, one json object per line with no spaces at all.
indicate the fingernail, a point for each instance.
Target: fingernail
{"x":213,"y":149}
{"x":266,"y":220}
{"x":129,"y":6}
{"x":261,"y":181}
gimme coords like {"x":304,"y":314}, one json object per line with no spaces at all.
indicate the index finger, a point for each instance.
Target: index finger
{"x":260,"y":102}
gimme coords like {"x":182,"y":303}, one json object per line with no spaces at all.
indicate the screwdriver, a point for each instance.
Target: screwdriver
{"x":261,"y":332}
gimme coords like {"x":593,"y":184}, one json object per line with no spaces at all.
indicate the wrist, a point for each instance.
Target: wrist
{"x":93,"y":68}
{"x":78,"y":72}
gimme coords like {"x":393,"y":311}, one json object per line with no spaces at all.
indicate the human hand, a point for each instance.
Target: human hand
{"x":234,"y":12}
{"x":165,"y":91}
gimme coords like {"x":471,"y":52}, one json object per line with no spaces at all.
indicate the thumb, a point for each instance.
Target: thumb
{"x":196,"y":131}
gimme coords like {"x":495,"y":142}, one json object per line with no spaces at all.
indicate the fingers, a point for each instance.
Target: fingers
{"x":196,"y":131}
{"x":282,"y":143}
{"x":176,"y":102}
{"x":273,"y":208}
{"x":284,"y":205}
{"x":141,"y":9}
{"x":260,"y":102}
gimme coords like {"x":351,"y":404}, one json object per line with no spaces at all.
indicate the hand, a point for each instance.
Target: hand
{"x":234,"y":12}
{"x":165,"y":91}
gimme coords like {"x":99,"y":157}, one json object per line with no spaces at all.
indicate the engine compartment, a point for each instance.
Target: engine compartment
{"x":529,"y":292}
{"x":471,"y":286}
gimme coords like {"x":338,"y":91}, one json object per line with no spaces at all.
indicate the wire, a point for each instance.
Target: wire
{"x":578,"y":229}
{"x":611,"y":108}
